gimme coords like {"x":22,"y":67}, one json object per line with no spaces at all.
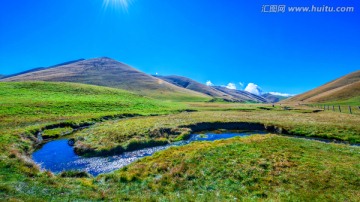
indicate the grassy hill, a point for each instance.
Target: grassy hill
{"x":27,"y":103}
{"x":343,"y":90}
{"x":111,"y":73}
{"x":348,"y":94}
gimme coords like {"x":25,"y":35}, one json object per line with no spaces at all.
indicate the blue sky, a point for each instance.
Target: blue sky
{"x":222,"y":41}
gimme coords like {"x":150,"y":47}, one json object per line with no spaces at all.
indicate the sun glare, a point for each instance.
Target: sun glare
{"x":124,"y":4}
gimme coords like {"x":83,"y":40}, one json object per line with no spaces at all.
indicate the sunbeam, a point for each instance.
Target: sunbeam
{"x":124,"y":4}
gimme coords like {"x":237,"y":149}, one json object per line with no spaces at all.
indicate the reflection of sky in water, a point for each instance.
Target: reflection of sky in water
{"x":58,"y":156}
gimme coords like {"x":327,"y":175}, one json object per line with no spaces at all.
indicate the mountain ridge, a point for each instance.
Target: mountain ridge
{"x":105,"y":71}
{"x":214,"y":91}
{"x":40,"y":68}
{"x":241,"y":94}
{"x":274,"y":98}
{"x":108,"y":72}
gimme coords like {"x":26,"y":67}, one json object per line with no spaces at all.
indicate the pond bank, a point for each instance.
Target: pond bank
{"x":58,"y":155}
{"x":160,"y":136}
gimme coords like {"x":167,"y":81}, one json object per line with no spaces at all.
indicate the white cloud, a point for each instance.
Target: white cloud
{"x":253,"y":88}
{"x":281,"y":94}
{"x":241,"y":84}
{"x":231,"y":86}
{"x":208,"y":83}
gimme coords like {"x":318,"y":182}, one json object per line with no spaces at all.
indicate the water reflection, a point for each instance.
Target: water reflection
{"x":58,"y":156}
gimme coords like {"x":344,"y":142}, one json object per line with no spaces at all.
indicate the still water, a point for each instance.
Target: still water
{"x":58,"y":156}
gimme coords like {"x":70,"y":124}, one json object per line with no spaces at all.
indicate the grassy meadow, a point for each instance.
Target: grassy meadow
{"x":25,"y":104}
{"x":262,"y":167}
{"x":112,"y":136}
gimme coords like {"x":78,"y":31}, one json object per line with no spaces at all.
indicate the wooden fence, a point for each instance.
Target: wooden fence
{"x":337,"y":108}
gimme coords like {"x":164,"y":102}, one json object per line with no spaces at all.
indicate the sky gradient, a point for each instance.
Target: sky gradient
{"x":221,"y":41}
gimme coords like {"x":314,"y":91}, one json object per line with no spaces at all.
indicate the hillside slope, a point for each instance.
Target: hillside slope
{"x":41,"y":68}
{"x":111,"y":73}
{"x":195,"y":86}
{"x":244,"y":96}
{"x":273,"y":98}
{"x":213,"y":91}
{"x":341,"y":94}
{"x":344,"y":88}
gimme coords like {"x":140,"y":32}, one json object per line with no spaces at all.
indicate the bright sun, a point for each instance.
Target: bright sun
{"x":124,"y":4}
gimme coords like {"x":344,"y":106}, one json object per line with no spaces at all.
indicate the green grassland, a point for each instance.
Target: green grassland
{"x":102,"y":138}
{"x":31,"y":103}
{"x":266,"y":167}
{"x":176,"y":96}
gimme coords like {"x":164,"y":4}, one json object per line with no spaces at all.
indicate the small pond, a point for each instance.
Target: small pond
{"x":58,"y":156}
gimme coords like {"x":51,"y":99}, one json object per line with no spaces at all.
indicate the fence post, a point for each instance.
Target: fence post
{"x":339,"y":108}
{"x":328,"y":107}
{"x":350,"y":110}
{"x":333,"y":108}
{"x":324,"y":107}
